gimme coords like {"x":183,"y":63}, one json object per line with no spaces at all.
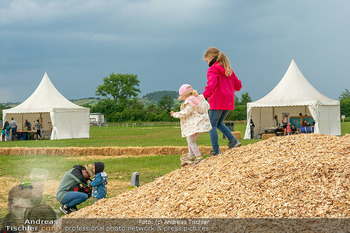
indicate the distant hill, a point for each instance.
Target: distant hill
{"x":154,"y":97}
{"x":86,"y":101}
{"x":8,"y":105}
{"x":150,"y":98}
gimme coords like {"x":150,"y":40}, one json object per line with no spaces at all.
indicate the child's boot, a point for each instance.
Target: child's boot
{"x":186,"y":158}
{"x":198,"y":160}
{"x":185,"y":163}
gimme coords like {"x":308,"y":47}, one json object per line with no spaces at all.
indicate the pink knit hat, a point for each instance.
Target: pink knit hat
{"x":185,"y":88}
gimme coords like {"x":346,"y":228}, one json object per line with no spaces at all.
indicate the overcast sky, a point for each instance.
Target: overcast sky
{"x":78,"y":42}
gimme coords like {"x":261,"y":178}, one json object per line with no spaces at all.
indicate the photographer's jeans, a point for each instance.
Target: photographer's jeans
{"x":74,"y":198}
{"x":216,"y":118}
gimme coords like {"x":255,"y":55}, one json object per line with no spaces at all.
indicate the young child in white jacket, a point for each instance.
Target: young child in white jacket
{"x":194,"y":119}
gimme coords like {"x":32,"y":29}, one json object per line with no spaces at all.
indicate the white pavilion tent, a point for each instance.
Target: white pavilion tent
{"x":59,"y":117}
{"x":294,"y":95}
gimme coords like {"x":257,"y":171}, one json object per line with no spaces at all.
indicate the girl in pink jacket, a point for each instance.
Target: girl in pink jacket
{"x":194,"y":120}
{"x":220,"y":90}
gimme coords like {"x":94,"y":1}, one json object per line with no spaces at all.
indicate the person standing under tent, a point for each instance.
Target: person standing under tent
{"x":3,"y":133}
{"x":304,"y":124}
{"x":284,"y":124}
{"x":38,"y":129}
{"x":276,"y":124}
{"x":27,"y":127}
{"x":13,"y":126}
{"x":7,"y":131}
{"x":252,"y":126}
{"x":293,"y":129}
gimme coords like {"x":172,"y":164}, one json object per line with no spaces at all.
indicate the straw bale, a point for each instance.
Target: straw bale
{"x":267,"y":136}
{"x":103,"y":151}
{"x":305,"y":175}
{"x":237,"y":134}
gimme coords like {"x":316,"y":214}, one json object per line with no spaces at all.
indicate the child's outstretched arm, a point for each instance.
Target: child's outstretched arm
{"x":184,"y":112}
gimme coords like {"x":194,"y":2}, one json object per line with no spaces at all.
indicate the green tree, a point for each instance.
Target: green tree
{"x":239,"y":114}
{"x":151,"y":108}
{"x":245,"y":98}
{"x":237,"y":100}
{"x":106,"y":106}
{"x":165,"y":103}
{"x":119,"y":87}
{"x":345,"y":103}
{"x":2,"y":107}
{"x":345,"y":95}
{"x":345,"y":107}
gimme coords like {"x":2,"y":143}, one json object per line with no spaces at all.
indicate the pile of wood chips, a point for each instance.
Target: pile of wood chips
{"x":305,"y":175}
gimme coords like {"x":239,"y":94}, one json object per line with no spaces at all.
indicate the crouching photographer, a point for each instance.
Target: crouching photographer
{"x":73,"y":189}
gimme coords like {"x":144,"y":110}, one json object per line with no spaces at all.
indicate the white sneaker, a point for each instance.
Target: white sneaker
{"x":64,"y":210}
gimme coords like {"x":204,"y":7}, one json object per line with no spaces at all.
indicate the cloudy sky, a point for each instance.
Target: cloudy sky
{"x":78,"y":42}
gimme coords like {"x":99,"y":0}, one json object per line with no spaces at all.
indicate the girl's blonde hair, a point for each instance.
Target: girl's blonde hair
{"x":188,"y":94}
{"x":221,"y":59}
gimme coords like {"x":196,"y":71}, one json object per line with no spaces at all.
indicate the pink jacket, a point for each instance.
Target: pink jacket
{"x":221,"y":89}
{"x":288,"y":129}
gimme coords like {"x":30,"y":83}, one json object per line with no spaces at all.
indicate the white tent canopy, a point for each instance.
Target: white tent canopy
{"x":64,"y":119}
{"x":294,"y":95}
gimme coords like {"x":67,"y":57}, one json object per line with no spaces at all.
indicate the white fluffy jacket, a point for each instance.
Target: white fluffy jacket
{"x":194,"y":116}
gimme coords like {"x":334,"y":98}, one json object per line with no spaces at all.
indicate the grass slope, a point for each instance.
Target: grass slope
{"x":17,"y":169}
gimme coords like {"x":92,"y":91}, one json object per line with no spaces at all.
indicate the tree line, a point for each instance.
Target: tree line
{"x":119,"y":102}
{"x":345,"y":104}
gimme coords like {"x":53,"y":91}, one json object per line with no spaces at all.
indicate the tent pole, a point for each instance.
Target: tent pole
{"x":260,"y":121}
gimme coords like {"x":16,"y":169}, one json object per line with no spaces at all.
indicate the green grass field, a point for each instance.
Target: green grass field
{"x":17,"y":169}
{"x":345,"y":128}
{"x":136,"y":136}
{"x":128,"y":136}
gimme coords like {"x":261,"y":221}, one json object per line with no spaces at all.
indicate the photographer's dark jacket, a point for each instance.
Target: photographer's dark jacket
{"x":72,"y":178}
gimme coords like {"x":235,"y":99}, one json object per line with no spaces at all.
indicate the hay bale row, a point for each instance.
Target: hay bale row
{"x":306,"y":175}
{"x":267,"y":136}
{"x":237,"y":134}
{"x":102,"y":151}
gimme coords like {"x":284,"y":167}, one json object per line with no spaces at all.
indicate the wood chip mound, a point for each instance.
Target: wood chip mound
{"x":304,"y":175}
